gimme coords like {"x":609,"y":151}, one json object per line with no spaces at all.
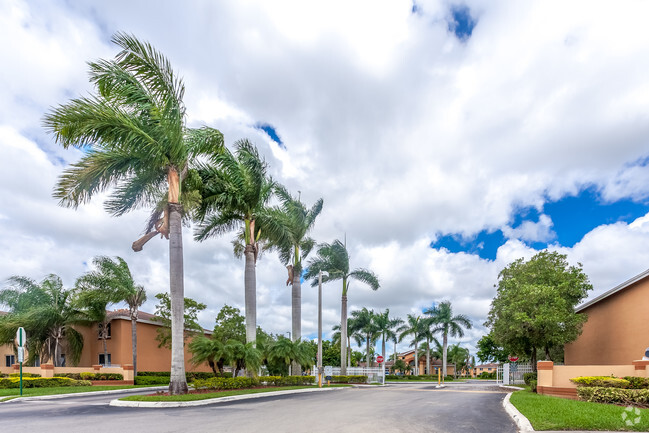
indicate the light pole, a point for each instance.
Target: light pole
{"x":320,"y":329}
{"x":290,"y":365}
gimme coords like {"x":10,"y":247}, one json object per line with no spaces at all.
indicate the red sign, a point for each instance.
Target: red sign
{"x":513,"y":358}
{"x":379,"y":359}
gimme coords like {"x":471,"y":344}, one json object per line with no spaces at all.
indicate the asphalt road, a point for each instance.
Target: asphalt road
{"x":408,"y":408}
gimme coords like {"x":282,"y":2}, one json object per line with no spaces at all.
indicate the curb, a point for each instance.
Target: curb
{"x":522,"y":423}
{"x":167,"y":404}
{"x":82,"y":394}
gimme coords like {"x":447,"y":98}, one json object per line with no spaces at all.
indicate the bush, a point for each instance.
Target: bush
{"x":154,"y":373}
{"x":598,"y":394}
{"x":600,"y":381}
{"x":349,"y":379}
{"x":190,"y":375}
{"x":101,"y":376}
{"x":392,"y":377}
{"x":151,"y":380}
{"x":532,"y":385}
{"x":487,"y":375}
{"x":41,"y":382}
{"x":75,"y":376}
{"x":528,"y":377}
{"x":222,"y":383}
{"x":288,"y":380}
{"x":24,"y":375}
{"x":637,"y":382}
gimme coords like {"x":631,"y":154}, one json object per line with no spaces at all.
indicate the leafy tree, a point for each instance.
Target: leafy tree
{"x":386,"y":327}
{"x":460,"y":357}
{"x":235,"y":194}
{"x":445,"y":322}
{"x":135,"y":138}
{"x":134,"y":300}
{"x":488,"y":350}
{"x":333,"y":261}
{"x":413,"y":326}
{"x":230,"y":325}
{"x":190,"y":319}
{"x":210,"y":350}
{"x":365,"y":325}
{"x":285,"y":350}
{"x":243,"y":356}
{"x":534,"y":304}
{"x":296,"y":221}
{"x":330,"y":353}
{"x":399,"y":365}
{"x":47,"y":313}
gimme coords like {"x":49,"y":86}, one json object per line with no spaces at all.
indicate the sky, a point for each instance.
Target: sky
{"x":447,"y":139}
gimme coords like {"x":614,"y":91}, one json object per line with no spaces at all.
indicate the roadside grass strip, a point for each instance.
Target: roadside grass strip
{"x":13,"y":393}
{"x":554,"y":413}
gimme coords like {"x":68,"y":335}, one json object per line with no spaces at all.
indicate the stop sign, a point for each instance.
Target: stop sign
{"x":379,"y":359}
{"x":513,"y":358}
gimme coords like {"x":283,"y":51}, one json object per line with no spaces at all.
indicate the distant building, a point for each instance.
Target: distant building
{"x":436,"y":364}
{"x":484,"y":368}
{"x":617,"y":330}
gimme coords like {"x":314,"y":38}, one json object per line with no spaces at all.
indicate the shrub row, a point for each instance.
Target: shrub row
{"x":24,"y":375}
{"x":349,"y":379}
{"x":190,"y":375}
{"x":151,"y":380}
{"x":600,"y":382}
{"x":487,"y":375}
{"x":427,"y":377}
{"x":41,"y":382}
{"x":222,"y":383}
{"x":636,"y":397}
{"x":91,"y":376}
{"x":288,"y":380}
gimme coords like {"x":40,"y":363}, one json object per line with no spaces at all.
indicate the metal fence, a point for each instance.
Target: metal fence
{"x":374,"y":374}
{"x":512,"y":373}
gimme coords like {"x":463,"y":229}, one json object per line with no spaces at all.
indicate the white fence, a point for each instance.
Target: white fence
{"x":512,"y":373}
{"x":374,"y":374}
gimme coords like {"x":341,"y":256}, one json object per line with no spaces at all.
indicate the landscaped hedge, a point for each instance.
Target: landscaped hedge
{"x":492,"y":375}
{"x":349,"y":379}
{"x":41,"y":382}
{"x":190,"y":375}
{"x":529,"y":377}
{"x":101,"y":376}
{"x":636,"y":397}
{"x":24,"y":375}
{"x":637,"y":382}
{"x":426,"y":377}
{"x":600,"y":381}
{"x":151,"y":380}
{"x":288,"y":380}
{"x":222,"y":383}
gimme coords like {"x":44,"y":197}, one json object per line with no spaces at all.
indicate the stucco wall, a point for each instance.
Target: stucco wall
{"x":617,"y":330}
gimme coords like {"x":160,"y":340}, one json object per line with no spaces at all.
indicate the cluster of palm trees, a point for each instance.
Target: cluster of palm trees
{"x":366,"y":327}
{"x":49,"y":312}
{"x":136,"y":142}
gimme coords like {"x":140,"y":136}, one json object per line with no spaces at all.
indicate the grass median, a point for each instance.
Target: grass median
{"x":218,"y":394}
{"x":554,"y":413}
{"x":8,"y":394}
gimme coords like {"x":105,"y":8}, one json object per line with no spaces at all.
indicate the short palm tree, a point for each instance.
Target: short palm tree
{"x":296,"y":221}
{"x":242,"y":356}
{"x":386,"y":328}
{"x":367,"y":330}
{"x":432,"y":347}
{"x":210,"y":350}
{"x":287,"y":351}
{"x":333,"y":261}
{"x":135,"y":300}
{"x":134,"y":136}
{"x":412,"y":327}
{"x":235,"y":194}
{"x":444,"y":322}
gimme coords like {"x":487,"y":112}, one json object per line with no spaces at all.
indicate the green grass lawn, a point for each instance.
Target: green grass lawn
{"x":217,"y":394}
{"x":6,"y":394}
{"x":554,"y":413}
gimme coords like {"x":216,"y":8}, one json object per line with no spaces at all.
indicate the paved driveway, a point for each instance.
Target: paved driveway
{"x":408,"y":408}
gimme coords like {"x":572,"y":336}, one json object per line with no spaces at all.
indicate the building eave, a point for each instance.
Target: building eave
{"x":613,"y":291}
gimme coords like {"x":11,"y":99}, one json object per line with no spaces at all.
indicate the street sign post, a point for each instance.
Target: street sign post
{"x":21,"y":339}
{"x":379,"y":359}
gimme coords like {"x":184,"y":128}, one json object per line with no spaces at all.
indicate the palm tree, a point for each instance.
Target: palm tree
{"x":135,"y":138}
{"x":412,"y":326}
{"x":333,"y":261}
{"x":242,"y":356}
{"x":296,"y":221}
{"x":458,"y":356}
{"x":429,"y":335}
{"x":386,"y":329}
{"x":47,"y":313}
{"x":288,"y":351}
{"x":335,"y":337}
{"x":208,"y":350}
{"x":134,"y":300}
{"x":235,"y":193}
{"x":443,"y":321}
{"x":432,"y":347}
{"x":367,"y":329}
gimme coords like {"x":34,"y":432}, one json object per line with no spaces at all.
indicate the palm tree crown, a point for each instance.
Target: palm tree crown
{"x":445,"y":322}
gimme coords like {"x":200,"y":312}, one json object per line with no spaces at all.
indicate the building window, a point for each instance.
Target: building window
{"x":101,"y":359}
{"x":99,"y":329}
{"x":10,"y":360}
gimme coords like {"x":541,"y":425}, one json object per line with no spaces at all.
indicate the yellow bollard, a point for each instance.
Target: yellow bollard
{"x":439,"y":377}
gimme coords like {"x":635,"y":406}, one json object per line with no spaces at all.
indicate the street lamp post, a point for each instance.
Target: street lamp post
{"x":290,"y":373}
{"x":320,"y":329}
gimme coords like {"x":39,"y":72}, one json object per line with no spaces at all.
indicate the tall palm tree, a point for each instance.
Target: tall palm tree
{"x":336,"y":336}
{"x":443,"y":321}
{"x":432,"y":348}
{"x":412,"y":327}
{"x":386,"y":328}
{"x":367,"y":329}
{"x":135,"y":138}
{"x":428,"y":334}
{"x":235,"y":194}
{"x":296,"y":221}
{"x":333,"y":261}
{"x":134,"y":300}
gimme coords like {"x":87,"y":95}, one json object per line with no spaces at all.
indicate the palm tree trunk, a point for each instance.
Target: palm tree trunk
{"x":343,"y":334}
{"x":178,"y":381}
{"x":445,"y":339}
{"x":416,"y":360}
{"x":296,"y":306}
{"x":367,"y":348}
{"x":383,"y":351}
{"x":134,"y":344}
{"x":250,"y":284}
{"x":427,"y":355}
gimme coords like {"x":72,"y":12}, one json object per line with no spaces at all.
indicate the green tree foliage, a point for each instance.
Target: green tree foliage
{"x":230,"y":325}
{"x":399,"y":366}
{"x":287,"y":351}
{"x":489,"y":351}
{"x":459,"y":356}
{"x":534,"y":305}
{"x":367,"y":331}
{"x":163,"y":314}
{"x":330,"y":353}
{"x":444,"y":322}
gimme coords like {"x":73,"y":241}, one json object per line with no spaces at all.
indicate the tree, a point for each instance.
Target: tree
{"x":330,"y":353}
{"x":230,"y":325}
{"x":534,"y":304}
{"x":399,"y":365}
{"x":48,"y":315}
{"x":385,"y":327}
{"x":210,"y":350}
{"x":287,"y":351}
{"x":428,"y":334}
{"x":460,"y":357}
{"x":444,"y":322}
{"x":413,"y":326}
{"x":366,"y":327}
{"x":333,"y":261}
{"x":134,"y":138}
{"x":134,"y":300}
{"x":488,"y":350}
{"x":190,"y":319}
{"x":243,"y":356}
{"x":109,"y":283}
{"x":235,"y":194}
{"x":296,"y":222}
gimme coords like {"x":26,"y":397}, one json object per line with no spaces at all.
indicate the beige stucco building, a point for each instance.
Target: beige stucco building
{"x":617,"y":330}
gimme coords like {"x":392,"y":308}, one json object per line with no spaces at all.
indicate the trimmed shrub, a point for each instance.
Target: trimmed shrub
{"x":24,"y":375}
{"x":528,"y":377}
{"x":151,"y":380}
{"x":532,"y":385}
{"x":190,"y":375}
{"x":288,"y":380}
{"x":101,"y":376}
{"x":597,"y":394}
{"x":487,"y":375}
{"x":392,"y":377}
{"x":154,"y":373}
{"x":75,"y":376}
{"x":637,"y":382}
{"x":41,"y":382}
{"x":600,"y":381}
{"x":349,"y":379}
{"x":222,"y":383}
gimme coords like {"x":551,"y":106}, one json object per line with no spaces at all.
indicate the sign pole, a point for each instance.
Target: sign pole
{"x":20,"y":357}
